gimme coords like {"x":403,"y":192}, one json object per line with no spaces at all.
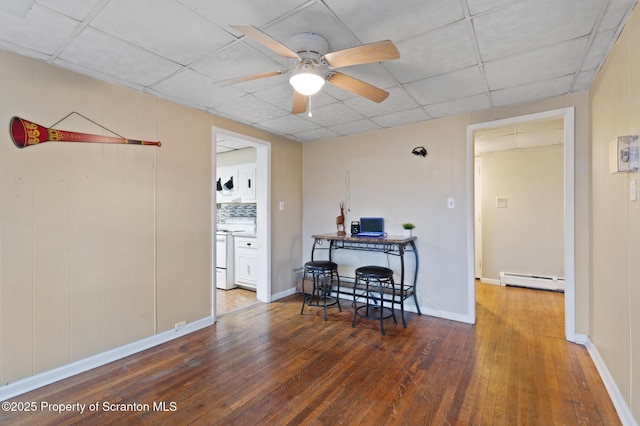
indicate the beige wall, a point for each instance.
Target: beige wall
{"x":615,"y":111}
{"x":527,"y":237}
{"x":103,"y":245}
{"x":386,"y":180}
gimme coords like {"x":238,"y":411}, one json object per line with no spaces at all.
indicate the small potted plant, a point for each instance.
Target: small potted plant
{"x":407,"y":229}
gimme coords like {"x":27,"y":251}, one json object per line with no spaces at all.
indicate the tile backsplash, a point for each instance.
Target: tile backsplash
{"x":226,"y":211}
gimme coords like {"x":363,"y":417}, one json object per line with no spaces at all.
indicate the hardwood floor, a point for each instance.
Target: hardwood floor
{"x":230,"y":300}
{"x":269,"y":365}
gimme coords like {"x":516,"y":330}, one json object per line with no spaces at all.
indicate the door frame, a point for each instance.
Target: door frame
{"x":263,"y":212}
{"x":568,"y":114}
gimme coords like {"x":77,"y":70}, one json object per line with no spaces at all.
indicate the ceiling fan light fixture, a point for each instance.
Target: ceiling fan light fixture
{"x":307,"y":81}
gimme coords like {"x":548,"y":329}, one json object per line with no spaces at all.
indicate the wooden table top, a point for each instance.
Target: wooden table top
{"x":387,"y":239}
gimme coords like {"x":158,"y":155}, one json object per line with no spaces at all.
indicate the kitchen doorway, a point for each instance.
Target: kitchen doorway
{"x":568,"y":117}
{"x":262,"y":219}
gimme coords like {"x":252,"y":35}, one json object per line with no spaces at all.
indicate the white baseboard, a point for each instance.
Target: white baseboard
{"x":283,"y":294}
{"x":47,"y":377}
{"x":621,"y":406}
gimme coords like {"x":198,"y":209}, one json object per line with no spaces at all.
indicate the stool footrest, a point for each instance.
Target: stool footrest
{"x":375,"y":315}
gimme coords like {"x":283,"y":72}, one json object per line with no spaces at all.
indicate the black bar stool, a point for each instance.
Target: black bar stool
{"x":374,"y":282}
{"x":322,"y":274}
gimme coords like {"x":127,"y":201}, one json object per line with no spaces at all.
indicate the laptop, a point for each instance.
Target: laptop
{"x":371,"y":227}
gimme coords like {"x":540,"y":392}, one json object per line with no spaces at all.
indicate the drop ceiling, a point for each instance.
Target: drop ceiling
{"x":455,"y":56}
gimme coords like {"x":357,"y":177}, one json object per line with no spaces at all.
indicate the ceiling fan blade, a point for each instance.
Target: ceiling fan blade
{"x":358,"y":87}
{"x":373,"y":52}
{"x":265,"y":40}
{"x":249,"y":77}
{"x":300,"y":103}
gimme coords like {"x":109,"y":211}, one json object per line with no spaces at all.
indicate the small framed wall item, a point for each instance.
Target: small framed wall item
{"x":623,"y":154}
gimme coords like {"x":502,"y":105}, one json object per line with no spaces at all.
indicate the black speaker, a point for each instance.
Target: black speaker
{"x":355,"y":227}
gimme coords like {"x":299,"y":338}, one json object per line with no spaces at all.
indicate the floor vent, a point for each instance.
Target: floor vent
{"x":532,"y":281}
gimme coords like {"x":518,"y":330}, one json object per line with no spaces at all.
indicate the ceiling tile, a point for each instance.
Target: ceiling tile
{"x":359,"y":126}
{"x":315,"y":134}
{"x":398,"y":100}
{"x":541,"y":64}
{"x":527,"y":25}
{"x":617,"y":10}
{"x":374,"y":73}
{"x":251,"y":109}
{"x":444,"y":87}
{"x":241,"y":60}
{"x":78,"y":10}
{"x":531,"y":92}
{"x":98,"y":51}
{"x":42,"y":30}
{"x":281,"y":95}
{"x":187,"y":38}
{"x":289,"y":124}
{"x":436,"y":52}
{"x":401,"y":118}
{"x":335,"y":113}
{"x":316,"y":18}
{"x":189,"y":85}
{"x":479,"y":6}
{"x":458,"y":106}
{"x":375,"y":20}
{"x":598,"y":51}
{"x":256,"y":13}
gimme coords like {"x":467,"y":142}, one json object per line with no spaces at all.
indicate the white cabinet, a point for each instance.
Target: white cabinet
{"x":227,"y":184}
{"x":247,"y":182}
{"x":246,"y":261}
{"x":236,"y":183}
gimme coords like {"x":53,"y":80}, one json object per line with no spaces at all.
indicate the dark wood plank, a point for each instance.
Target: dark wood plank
{"x":269,"y":365}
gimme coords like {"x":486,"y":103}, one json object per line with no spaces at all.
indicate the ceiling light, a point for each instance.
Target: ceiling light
{"x":306,"y":80}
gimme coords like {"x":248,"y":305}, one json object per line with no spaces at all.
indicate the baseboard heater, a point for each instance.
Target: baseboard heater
{"x":532,"y":281}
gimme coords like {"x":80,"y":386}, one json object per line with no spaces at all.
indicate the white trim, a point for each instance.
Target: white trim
{"x":621,"y":406}
{"x":569,"y":208}
{"x":443,"y":314}
{"x":284,"y":294}
{"x":263,"y":202}
{"x":47,"y":377}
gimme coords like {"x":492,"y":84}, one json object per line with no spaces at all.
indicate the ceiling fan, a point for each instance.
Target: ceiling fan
{"x":314,"y":65}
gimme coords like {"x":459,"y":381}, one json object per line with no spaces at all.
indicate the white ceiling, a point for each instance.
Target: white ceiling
{"x":455,"y":56}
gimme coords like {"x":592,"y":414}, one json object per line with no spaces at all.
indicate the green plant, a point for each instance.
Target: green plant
{"x":408,"y":225}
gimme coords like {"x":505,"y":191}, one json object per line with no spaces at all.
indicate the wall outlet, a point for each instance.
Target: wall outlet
{"x":179,"y":325}
{"x":451,"y":203}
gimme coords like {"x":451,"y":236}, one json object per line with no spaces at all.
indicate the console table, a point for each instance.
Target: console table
{"x":390,"y":245}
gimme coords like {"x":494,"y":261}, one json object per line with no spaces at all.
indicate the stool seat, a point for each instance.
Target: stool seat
{"x":322,"y":265}
{"x":374,"y":281}
{"x":374,"y":272}
{"x":322,"y":274}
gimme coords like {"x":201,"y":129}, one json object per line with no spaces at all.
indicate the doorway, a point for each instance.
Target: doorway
{"x":262,"y":212}
{"x":567,"y":115}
